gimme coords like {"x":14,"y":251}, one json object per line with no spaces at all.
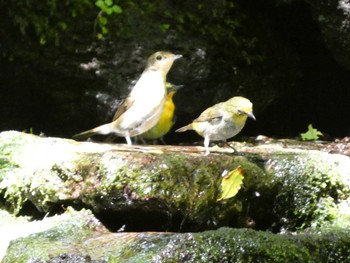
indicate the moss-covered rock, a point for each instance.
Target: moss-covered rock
{"x":78,"y":237}
{"x":287,"y":185}
{"x":54,"y":235}
{"x":112,"y":178}
{"x":244,"y":245}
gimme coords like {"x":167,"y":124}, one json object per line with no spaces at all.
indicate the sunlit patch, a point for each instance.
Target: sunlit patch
{"x":94,"y":64}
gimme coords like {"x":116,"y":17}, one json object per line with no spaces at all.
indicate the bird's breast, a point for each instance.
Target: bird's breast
{"x":221,"y":130}
{"x":148,"y":96}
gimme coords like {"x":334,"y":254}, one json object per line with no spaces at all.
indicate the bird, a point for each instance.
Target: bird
{"x":144,"y":105}
{"x":221,"y":121}
{"x":166,"y":120}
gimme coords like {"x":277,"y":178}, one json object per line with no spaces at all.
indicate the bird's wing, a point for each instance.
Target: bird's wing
{"x":123,"y":107}
{"x":211,"y":115}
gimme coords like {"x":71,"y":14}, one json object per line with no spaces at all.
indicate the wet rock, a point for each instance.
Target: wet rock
{"x":78,"y":237}
{"x":288,"y":184}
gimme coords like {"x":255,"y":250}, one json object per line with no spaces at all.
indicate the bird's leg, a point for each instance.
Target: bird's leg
{"x":128,"y":140}
{"x":206,"y":144}
{"x":233,"y":148}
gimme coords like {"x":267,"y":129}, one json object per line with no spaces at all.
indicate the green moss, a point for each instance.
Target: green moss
{"x":186,"y":185}
{"x":244,"y":245}
{"x":5,"y":161}
{"x":280,"y":191}
{"x":73,"y":227}
{"x":9,"y":187}
{"x":310,"y":187}
{"x":172,"y":183}
{"x":8,"y":145}
{"x":222,"y":245}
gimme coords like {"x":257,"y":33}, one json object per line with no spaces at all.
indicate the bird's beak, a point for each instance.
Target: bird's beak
{"x":251,"y":115}
{"x":174,"y":88}
{"x":177,"y":57}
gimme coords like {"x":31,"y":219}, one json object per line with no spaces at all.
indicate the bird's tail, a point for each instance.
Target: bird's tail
{"x":103,"y":129}
{"x":185,"y":128}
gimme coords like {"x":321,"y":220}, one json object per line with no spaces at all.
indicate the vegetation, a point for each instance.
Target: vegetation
{"x":108,"y":7}
{"x":311,"y":134}
{"x":57,"y":21}
{"x":47,"y":20}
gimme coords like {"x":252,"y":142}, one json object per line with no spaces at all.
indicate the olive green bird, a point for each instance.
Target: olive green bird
{"x":221,"y":121}
{"x":143,"y":107}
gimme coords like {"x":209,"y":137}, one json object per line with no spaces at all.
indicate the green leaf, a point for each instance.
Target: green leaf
{"x":311,"y":134}
{"x":104,"y":30}
{"x":165,"y":27}
{"x":102,"y":20}
{"x":231,"y":183}
{"x":42,"y":40}
{"x":109,"y":2}
{"x":101,"y":4}
{"x":117,"y":9}
{"x":62,"y":25}
{"x":109,"y":11}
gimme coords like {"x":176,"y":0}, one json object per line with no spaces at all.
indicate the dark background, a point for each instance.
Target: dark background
{"x":287,"y":57}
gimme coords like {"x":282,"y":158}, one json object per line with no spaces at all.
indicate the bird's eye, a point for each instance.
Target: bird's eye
{"x":159,"y":57}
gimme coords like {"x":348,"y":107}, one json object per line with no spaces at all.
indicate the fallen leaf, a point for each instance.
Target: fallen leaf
{"x":231,"y":183}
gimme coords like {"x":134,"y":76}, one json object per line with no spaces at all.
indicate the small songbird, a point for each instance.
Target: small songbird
{"x":143,"y":107}
{"x":221,"y":121}
{"x":166,"y":120}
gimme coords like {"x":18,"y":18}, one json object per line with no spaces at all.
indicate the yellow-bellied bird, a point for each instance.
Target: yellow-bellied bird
{"x":144,"y":105}
{"x":166,"y":120}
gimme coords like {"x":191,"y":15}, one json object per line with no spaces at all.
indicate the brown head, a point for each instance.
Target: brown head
{"x":161,"y":60}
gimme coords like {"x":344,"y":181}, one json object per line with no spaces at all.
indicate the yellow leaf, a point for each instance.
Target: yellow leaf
{"x":231,"y":183}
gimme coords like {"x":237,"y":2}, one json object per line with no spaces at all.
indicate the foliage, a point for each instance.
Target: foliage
{"x":220,"y":22}
{"x":159,"y":23}
{"x":46,"y":19}
{"x":311,"y":134}
{"x":108,"y":7}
